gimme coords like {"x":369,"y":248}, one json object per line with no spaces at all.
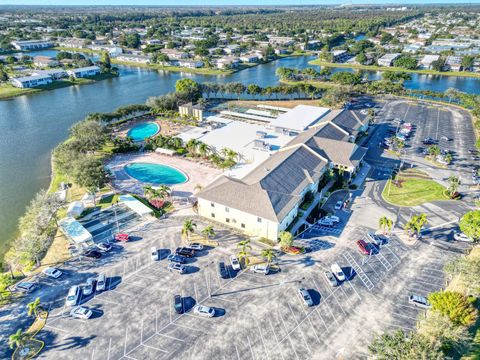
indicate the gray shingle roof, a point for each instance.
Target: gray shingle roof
{"x":349,"y":121}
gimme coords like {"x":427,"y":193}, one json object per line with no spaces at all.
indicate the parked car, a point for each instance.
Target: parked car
{"x":122,"y":237}
{"x":105,"y":247}
{"x":203,"y":310}
{"x":305,"y":296}
{"x":154,"y":253}
{"x":338,"y":205}
{"x":429,"y":141}
{"x":332,"y":218}
{"x":89,"y":287}
{"x":178,"y":304}
{"x":222,"y":270}
{"x":338,"y":272}
{"x":173,"y":266}
{"x":377,"y":239}
{"x":195,"y":246}
{"x":235,"y":263}
{"x":260,"y":269}
{"x":25,"y":286}
{"x":176,"y":258}
{"x":94,"y":254}
{"x":73,"y":296}
{"x":52,"y":272}
{"x":419,"y":301}
{"x":331,"y":279}
{"x":183,"y":251}
{"x":81,"y":312}
{"x":460,"y":236}
{"x":363,"y":247}
{"x":325,"y":222}
{"x":101,"y":282}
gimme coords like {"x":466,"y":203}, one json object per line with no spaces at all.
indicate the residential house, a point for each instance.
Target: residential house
{"x":112,"y":50}
{"x":73,"y":43}
{"x":140,"y":59}
{"x":249,"y":58}
{"x":388,"y":59}
{"x":232,"y":49}
{"x":340,"y":56}
{"x":31,"y":81}
{"x":228,"y":62}
{"x":190,"y":110}
{"x":453,"y":63}
{"x":45,"y":61}
{"x":55,"y":74}
{"x":32,"y":44}
{"x":427,"y":60}
{"x":174,"y":54}
{"x":190,"y":64}
{"x":84,"y":71}
{"x":154,"y":42}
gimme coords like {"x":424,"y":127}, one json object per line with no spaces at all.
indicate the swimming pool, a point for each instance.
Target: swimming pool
{"x":144,"y":130}
{"x":156,"y":174}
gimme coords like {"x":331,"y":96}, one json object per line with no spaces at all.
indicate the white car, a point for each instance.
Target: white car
{"x":105,"y":247}
{"x":101,"y":282}
{"x":338,"y":205}
{"x":419,"y":301}
{"x":325,"y":222}
{"x":205,"y":311}
{"x":73,"y":296}
{"x":235,"y":263}
{"x":338,"y":272}
{"x":260,"y":269}
{"x":377,"y":239}
{"x":195,"y":246}
{"x":154,"y":253}
{"x":462,"y":237}
{"x":52,"y":272}
{"x":332,"y":218}
{"x":305,"y":296}
{"x":81,"y":312}
{"x":88,"y":287}
{"x":177,"y":267}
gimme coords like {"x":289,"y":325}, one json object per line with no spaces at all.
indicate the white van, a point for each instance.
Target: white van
{"x":101,"y":282}
{"x":338,"y":272}
{"x":154,"y":254}
{"x":73,"y":296}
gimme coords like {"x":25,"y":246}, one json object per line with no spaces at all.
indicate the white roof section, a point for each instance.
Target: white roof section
{"x":193,"y":132}
{"x":164,"y":151}
{"x":270,"y":107}
{"x":74,"y":230}
{"x":135,"y":205}
{"x":75,"y":209}
{"x":246,"y":116}
{"x":300,"y":117}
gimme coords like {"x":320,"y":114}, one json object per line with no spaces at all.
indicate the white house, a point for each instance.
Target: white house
{"x":249,"y":58}
{"x":84,"y":71}
{"x":55,"y":74}
{"x":190,"y":64}
{"x":73,"y":43}
{"x":44,"y":61}
{"x":31,"y":81}
{"x":388,"y":59}
{"x":141,"y":59}
{"x":228,"y":61}
{"x":174,"y":54}
{"x":32,"y":44}
{"x":427,"y":60}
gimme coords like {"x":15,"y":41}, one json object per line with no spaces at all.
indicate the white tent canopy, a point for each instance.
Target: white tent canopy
{"x":135,"y":205}
{"x":74,"y":230}
{"x":75,"y":209}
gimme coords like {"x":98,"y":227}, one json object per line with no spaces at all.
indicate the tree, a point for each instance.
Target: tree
{"x":434,"y":150}
{"x":406,"y":62}
{"x":33,"y":306}
{"x":361,"y":58}
{"x":404,"y":346}
{"x":208,"y":232}
{"x":130,"y":40}
{"x":243,"y":253}
{"x":286,"y":238}
{"x":3,"y":74}
{"x":385,"y":224}
{"x":269,"y":254}
{"x":90,"y":172}
{"x":470,"y":224}
{"x":467,"y":271}
{"x":346,"y":78}
{"x":438,"y":328}
{"x":18,"y":339}
{"x":455,"y":306}
{"x":415,"y":224}
{"x":204,"y":149}
{"x":454,"y":183}
{"x":188,"y":228}
{"x":467,"y":62}
{"x":253,"y":89}
{"x":105,"y":61}
{"x":438,"y":65}
{"x":188,"y":88}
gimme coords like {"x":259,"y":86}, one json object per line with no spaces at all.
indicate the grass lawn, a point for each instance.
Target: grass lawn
{"x":8,"y":91}
{"x":317,"y":83}
{"x":393,"y":68}
{"x":412,"y":190}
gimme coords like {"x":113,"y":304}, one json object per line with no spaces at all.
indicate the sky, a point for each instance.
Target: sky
{"x":226,"y":2}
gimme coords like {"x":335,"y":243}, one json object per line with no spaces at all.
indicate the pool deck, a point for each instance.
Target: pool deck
{"x":198,"y":173}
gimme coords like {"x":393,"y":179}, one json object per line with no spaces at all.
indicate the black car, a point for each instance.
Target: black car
{"x":178,"y":304}
{"x":183,"y":251}
{"x":429,"y":141}
{"x":93,"y":254}
{"x":222,"y":270}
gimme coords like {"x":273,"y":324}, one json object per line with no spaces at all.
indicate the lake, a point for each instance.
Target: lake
{"x":32,"y":125}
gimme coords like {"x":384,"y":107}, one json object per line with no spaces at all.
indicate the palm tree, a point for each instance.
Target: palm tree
{"x":208,"y":232}
{"x":18,"y":339}
{"x":148,"y":191}
{"x":162,"y":191}
{"x":385,"y":223}
{"x":454,"y":182}
{"x":192,"y":146}
{"x":204,"y":149}
{"x":434,"y":150}
{"x":269,"y":254}
{"x":188,"y":228}
{"x":33,"y":307}
{"x":415,"y":224}
{"x":244,"y":252}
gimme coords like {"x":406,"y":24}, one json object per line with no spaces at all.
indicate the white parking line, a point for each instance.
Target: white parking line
{"x":263,"y":340}
{"x":273,"y":329}
{"x":250,"y":346}
{"x":154,"y":348}
{"x":57,"y":328}
{"x":171,"y":337}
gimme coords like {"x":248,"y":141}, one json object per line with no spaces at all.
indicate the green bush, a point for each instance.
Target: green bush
{"x":454,"y":305}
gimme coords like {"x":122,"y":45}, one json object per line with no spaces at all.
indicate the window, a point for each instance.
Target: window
{"x":242,"y":225}
{"x":213,"y":215}
{"x":227,"y":220}
{"x":259,"y":219}
{"x":227,"y":209}
{"x":212,"y":204}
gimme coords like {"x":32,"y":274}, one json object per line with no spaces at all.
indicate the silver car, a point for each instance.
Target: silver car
{"x":419,"y":301}
{"x":176,"y":267}
{"x":305,"y":296}
{"x":88,"y":288}
{"x":203,"y":310}
{"x":331,"y":279}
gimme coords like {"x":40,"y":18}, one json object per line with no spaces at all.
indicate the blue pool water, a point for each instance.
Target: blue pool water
{"x":156,"y":174}
{"x":142,"y":131}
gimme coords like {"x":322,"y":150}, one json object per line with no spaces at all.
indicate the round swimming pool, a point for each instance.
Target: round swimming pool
{"x":144,"y":130}
{"x":156,"y":174}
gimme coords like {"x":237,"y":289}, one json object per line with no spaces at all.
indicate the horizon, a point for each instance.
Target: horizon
{"x":227,"y":3}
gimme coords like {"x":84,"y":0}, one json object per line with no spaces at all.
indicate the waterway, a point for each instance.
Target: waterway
{"x":32,"y":125}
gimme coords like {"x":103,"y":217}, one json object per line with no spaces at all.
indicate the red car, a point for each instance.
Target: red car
{"x":122,"y":237}
{"x":363,"y":247}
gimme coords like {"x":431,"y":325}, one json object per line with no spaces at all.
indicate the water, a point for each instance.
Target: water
{"x":155,"y":174}
{"x":142,"y":131}
{"x":32,"y":125}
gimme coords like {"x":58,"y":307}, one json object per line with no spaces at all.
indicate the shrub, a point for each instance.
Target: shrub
{"x":455,"y":306}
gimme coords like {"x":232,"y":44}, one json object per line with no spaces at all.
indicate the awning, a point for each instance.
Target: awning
{"x":74,"y":231}
{"x":135,"y":205}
